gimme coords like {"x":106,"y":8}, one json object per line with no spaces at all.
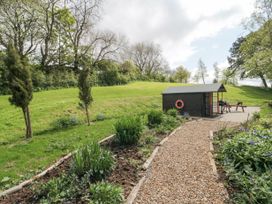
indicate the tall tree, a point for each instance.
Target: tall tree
{"x":182,"y":75}
{"x":256,"y":56}
{"x":85,"y":14}
{"x":20,"y":84}
{"x":19,"y":25}
{"x":216,"y":72}
{"x":235,"y":59}
{"x":228,"y":77}
{"x":84,"y":85}
{"x":148,"y":58}
{"x":50,"y":21}
{"x":201,"y":72}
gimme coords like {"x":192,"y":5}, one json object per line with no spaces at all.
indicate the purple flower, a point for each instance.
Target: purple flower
{"x":251,"y":142}
{"x":264,"y":137}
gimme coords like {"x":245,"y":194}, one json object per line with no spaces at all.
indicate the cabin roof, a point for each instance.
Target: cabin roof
{"x":204,"y":88}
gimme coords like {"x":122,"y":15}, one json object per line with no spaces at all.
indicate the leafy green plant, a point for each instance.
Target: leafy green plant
{"x":128,"y":130}
{"x":61,"y":189}
{"x":246,"y":156}
{"x":266,"y":122}
{"x":172,"y":112}
{"x":256,"y":116}
{"x":94,"y":160}
{"x":106,"y":193}
{"x":149,"y":139}
{"x":154,"y":118}
{"x":167,"y":125}
{"x":65,"y":122}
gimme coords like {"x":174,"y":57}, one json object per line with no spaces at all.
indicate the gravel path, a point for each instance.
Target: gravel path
{"x":181,"y":172}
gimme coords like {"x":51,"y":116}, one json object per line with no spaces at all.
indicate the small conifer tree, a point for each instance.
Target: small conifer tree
{"x":20,"y":84}
{"x":84,"y":85}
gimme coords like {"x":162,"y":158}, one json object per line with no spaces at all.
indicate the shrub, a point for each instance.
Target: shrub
{"x":167,"y":125}
{"x":94,"y":160}
{"x":172,"y":112}
{"x":247,"y":159}
{"x":266,"y":123}
{"x":106,"y":193}
{"x":61,"y":189}
{"x":150,"y":139}
{"x":154,"y":118}
{"x":128,"y":130}
{"x":249,"y":149}
{"x":65,"y":122}
{"x":256,"y":116}
{"x":100,"y":117}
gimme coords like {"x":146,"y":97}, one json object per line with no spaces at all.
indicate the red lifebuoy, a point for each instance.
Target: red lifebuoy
{"x":179,"y":104}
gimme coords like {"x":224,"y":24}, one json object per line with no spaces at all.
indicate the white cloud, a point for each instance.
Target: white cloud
{"x":174,"y":24}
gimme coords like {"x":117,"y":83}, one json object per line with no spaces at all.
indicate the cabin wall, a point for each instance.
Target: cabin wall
{"x":194,"y":103}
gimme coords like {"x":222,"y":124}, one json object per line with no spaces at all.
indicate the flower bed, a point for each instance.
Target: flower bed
{"x":63,"y":183}
{"x":245,"y":161}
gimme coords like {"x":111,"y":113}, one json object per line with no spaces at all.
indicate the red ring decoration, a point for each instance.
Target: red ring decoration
{"x":179,"y":104}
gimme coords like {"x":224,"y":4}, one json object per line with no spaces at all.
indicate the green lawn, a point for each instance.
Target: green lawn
{"x":20,"y":158}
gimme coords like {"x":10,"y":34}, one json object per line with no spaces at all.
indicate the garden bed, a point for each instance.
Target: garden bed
{"x":244,"y":161}
{"x":126,"y":174}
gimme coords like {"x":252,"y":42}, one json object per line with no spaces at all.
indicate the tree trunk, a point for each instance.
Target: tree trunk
{"x":203,"y":80}
{"x":264,"y":81}
{"x":87,"y":114}
{"x":26,"y":122}
{"x":29,"y":128}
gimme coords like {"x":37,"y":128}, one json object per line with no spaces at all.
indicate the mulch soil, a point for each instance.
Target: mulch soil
{"x":127,"y":173}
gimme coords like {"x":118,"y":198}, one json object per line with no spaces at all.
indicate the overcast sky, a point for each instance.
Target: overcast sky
{"x":185,"y":29}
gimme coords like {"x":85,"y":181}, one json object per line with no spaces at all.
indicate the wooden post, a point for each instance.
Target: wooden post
{"x":217,"y":102}
{"x":211,"y":104}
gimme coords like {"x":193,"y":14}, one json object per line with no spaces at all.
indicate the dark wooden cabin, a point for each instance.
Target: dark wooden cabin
{"x":198,"y":100}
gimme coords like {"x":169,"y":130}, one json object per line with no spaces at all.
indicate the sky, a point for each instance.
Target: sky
{"x":186,"y":30}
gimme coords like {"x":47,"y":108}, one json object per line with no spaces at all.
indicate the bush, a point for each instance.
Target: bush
{"x":256,"y":116}
{"x":154,"y":118}
{"x":150,"y":139}
{"x":128,"y":130}
{"x":100,"y":117}
{"x":168,"y":124}
{"x":172,"y":112}
{"x":94,"y":160}
{"x":65,"y":122}
{"x":266,"y":123}
{"x":106,"y":193}
{"x":61,"y":189}
{"x":247,"y":159}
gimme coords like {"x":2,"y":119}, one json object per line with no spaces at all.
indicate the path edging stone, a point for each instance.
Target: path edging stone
{"x":211,"y":158}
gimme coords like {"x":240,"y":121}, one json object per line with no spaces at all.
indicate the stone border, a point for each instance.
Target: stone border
{"x":133,"y":194}
{"x":56,"y":164}
{"x":212,"y":161}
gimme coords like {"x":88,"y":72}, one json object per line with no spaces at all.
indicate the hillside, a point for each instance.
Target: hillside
{"x":20,"y":158}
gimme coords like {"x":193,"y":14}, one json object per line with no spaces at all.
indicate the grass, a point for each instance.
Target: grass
{"x":20,"y":158}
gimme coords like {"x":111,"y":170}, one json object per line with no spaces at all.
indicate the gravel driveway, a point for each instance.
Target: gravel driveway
{"x":181,"y":172}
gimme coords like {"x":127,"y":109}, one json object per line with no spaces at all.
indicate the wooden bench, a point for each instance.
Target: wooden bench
{"x":237,"y":106}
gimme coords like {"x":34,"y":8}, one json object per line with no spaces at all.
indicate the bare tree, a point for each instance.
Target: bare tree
{"x":147,"y":57}
{"x":201,"y":72}
{"x":19,"y":25}
{"x":216,"y":72}
{"x":50,"y":11}
{"x":85,"y":14}
{"x":104,"y":45}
